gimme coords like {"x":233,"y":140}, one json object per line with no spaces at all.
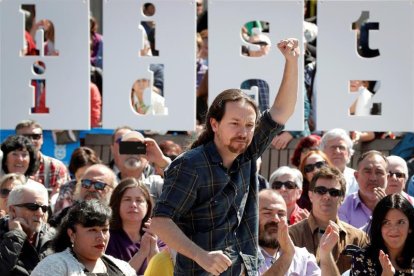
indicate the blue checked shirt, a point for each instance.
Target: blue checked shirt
{"x":216,"y":208}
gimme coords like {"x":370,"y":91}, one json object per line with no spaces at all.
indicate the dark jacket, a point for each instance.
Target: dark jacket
{"x":17,"y":255}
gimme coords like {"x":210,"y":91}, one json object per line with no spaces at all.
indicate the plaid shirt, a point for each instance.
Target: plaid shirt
{"x":217,"y":208}
{"x":58,"y":173}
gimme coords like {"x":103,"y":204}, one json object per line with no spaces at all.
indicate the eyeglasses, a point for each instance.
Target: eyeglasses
{"x":321,"y":190}
{"x":290,"y":185}
{"x":33,"y":206}
{"x":98,"y":185}
{"x":311,"y":167}
{"x":33,"y":136}
{"x":397,"y":174}
{"x":261,"y":43}
{"x":4,"y":192}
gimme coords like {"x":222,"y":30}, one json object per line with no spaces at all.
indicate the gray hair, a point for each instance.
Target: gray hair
{"x":298,"y":178}
{"x":17,"y":193}
{"x":394,"y":159}
{"x":337,"y":133}
{"x":18,"y":179}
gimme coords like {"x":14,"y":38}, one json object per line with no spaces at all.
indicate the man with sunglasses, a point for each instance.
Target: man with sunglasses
{"x":52,"y":172}
{"x":25,"y":237}
{"x":326,"y":192}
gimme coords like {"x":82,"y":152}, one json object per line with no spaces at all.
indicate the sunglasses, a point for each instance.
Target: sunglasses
{"x":98,"y":185}
{"x":33,"y":206}
{"x":311,"y":167}
{"x":4,"y":192}
{"x":397,"y":174}
{"x":290,"y":185}
{"x":34,"y":136}
{"x":321,"y":190}
{"x":261,"y":43}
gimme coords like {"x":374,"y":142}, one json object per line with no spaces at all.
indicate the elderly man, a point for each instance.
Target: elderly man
{"x":281,"y":257}
{"x":52,"y":173}
{"x":337,"y":145}
{"x":25,"y":238}
{"x":326,"y":192}
{"x":372,"y":180}
{"x":397,"y":177}
{"x":288,"y":183}
{"x":97,"y":182}
{"x":133,"y":164}
{"x":208,"y":207}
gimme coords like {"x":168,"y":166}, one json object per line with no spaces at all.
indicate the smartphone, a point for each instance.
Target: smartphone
{"x":132,"y":147}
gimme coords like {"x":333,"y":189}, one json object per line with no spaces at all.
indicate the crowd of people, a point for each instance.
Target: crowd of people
{"x":156,"y":209}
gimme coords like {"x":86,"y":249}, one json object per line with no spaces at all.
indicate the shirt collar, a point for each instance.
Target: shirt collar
{"x":315,"y":227}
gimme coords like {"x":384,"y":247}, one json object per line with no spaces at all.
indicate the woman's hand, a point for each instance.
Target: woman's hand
{"x":149,"y":235}
{"x":387,"y":267}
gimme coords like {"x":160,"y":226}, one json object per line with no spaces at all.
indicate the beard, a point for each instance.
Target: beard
{"x":132,"y":163}
{"x":236,"y":147}
{"x":267,"y":239}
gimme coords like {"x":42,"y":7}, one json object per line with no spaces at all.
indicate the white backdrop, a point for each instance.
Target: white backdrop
{"x":339,"y":62}
{"x":66,"y":75}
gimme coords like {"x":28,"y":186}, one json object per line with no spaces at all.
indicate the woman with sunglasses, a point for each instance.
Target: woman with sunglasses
{"x":305,"y":145}
{"x":311,"y":163}
{"x":7,"y":183}
{"x":19,"y":156}
{"x":288,"y":183}
{"x":131,"y":240}
{"x":80,"y":244}
{"x":391,"y":239}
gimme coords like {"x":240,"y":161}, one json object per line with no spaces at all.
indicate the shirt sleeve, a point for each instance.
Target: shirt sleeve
{"x":179,"y":191}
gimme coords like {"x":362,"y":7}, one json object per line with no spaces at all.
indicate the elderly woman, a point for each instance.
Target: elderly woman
{"x":397,"y":177}
{"x":7,"y":183}
{"x":19,"y":156}
{"x":391,"y":239}
{"x":80,"y":244}
{"x":131,"y":239}
{"x":288,"y":182}
{"x":311,"y":163}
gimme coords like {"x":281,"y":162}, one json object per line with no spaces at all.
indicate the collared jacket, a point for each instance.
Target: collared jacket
{"x":17,"y":255}
{"x":306,"y":234}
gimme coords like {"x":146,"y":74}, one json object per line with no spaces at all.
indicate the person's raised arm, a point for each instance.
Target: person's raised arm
{"x":284,"y":104}
{"x":214,"y":262}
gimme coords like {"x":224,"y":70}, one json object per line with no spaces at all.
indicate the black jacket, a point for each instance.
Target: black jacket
{"x":17,"y":255}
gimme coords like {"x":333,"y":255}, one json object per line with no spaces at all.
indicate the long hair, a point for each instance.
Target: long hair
{"x":88,"y":213}
{"x":393,"y":201}
{"x":19,"y":142}
{"x":217,"y":111}
{"x":116,"y":197}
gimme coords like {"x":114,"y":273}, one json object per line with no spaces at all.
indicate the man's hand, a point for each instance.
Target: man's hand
{"x":282,"y":140}
{"x":301,"y":215}
{"x":19,"y":224}
{"x":214,"y":262}
{"x":289,"y":48}
{"x":379,"y":193}
{"x":285,"y":242}
{"x":387,"y":267}
{"x":155,"y":155}
{"x":328,"y":240}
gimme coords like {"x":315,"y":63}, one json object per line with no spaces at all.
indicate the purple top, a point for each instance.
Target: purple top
{"x":120,"y":246}
{"x":354,"y":211}
{"x":303,"y":263}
